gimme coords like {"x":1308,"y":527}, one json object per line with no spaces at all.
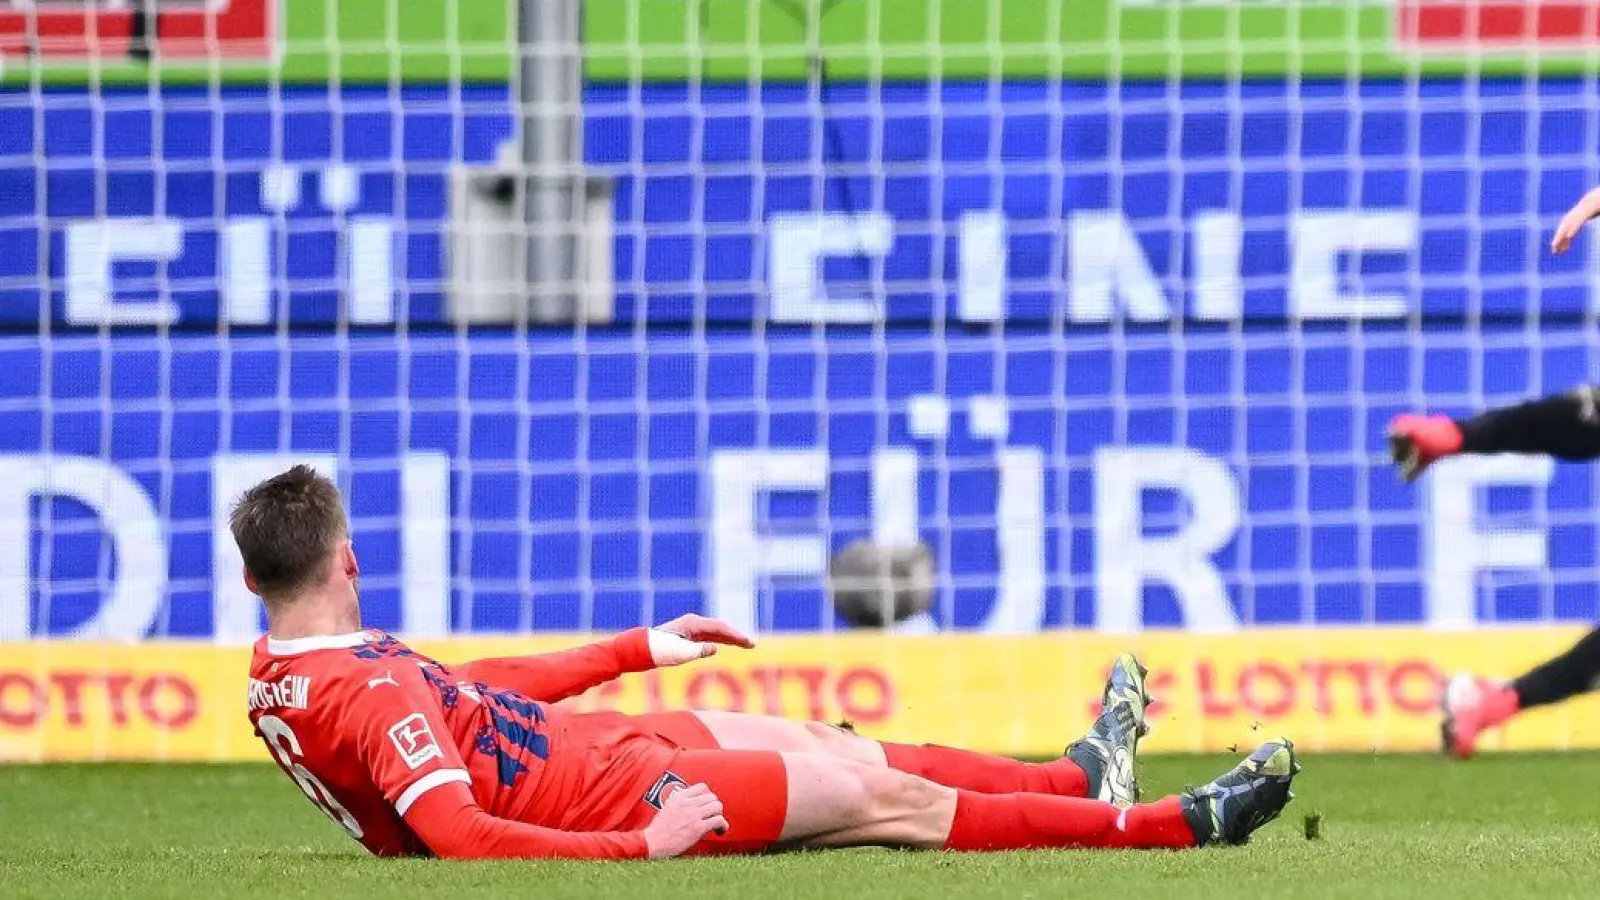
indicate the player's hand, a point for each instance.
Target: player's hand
{"x":687,"y":816}
{"x":692,"y":637}
{"x":1581,"y":212}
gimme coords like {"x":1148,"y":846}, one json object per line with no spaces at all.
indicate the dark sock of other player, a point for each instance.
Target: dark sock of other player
{"x":1573,"y":672}
{"x":1566,"y":426}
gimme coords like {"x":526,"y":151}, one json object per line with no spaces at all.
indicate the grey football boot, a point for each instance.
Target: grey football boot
{"x":1108,"y":752}
{"x":1248,"y":796}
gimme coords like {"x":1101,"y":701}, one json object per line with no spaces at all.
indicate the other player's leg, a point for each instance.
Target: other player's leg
{"x":832,"y":803}
{"x":1566,"y":426}
{"x":1100,"y":765}
{"x":1473,"y":705}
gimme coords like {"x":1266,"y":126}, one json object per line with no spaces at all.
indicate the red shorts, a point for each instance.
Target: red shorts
{"x":610,"y":772}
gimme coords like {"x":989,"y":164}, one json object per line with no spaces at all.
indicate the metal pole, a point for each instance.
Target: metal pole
{"x":549,"y":37}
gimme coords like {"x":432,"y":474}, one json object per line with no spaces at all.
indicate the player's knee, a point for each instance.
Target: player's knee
{"x":897,"y":795}
{"x":836,"y":741}
{"x":822,"y":732}
{"x":843,"y":803}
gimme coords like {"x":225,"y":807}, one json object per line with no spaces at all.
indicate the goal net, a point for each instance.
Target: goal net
{"x":1049,"y":328}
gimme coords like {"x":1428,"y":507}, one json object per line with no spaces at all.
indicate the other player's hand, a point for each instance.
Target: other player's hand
{"x":1581,"y":212}
{"x":687,"y":816}
{"x":691,"y":637}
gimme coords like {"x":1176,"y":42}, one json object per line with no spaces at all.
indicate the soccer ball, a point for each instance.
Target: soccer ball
{"x":874,"y":586}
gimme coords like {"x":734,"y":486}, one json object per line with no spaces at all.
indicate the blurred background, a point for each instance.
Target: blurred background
{"x":951,"y":345}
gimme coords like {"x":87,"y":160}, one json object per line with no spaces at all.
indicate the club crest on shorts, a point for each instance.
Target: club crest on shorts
{"x":665,"y":787}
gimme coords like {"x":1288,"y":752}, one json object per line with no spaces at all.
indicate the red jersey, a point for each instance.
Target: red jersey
{"x":375,"y":734}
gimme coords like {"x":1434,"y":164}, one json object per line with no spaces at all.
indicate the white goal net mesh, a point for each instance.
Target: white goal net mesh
{"x":1088,"y":317}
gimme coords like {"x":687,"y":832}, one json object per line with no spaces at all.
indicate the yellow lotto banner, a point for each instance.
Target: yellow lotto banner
{"x":1359,"y":689}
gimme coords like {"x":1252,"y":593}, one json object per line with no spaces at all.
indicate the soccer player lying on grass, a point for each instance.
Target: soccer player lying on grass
{"x":414,"y":757}
{"x":1565,"y":426}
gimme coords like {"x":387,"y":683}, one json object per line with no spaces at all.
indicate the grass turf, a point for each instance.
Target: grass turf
{"x":1394,"y":826}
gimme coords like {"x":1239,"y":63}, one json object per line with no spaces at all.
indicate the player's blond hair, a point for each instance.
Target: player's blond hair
{"x":287,"y":529}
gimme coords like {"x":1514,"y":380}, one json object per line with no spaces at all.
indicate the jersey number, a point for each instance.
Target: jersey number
{"x":286,"y":747}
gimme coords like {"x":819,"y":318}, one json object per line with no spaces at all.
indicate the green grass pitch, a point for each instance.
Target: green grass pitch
{"x":1393,"y":826}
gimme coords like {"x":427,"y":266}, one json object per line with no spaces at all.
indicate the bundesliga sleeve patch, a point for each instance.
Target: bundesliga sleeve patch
{"x":415,"y":741}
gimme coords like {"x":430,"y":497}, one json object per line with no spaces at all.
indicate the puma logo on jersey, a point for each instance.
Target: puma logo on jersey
{"x":293,"y":691}
{"x":388,"y":678}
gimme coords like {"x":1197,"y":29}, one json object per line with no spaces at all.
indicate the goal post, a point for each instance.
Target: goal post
{"x":1044,"y":328}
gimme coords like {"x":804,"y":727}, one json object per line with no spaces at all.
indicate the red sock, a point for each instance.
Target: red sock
{"x":986,"y":774}
{"x":1035,"y":821}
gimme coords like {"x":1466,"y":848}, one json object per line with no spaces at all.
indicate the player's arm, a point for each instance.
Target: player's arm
{"x":407,"y":751}
{"x":551,"y":677}
{"x":453,"y":826}
{"x":1587,"y":207}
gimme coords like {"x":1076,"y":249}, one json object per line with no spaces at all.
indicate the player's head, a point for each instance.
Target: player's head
{"x":292,"y":532}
